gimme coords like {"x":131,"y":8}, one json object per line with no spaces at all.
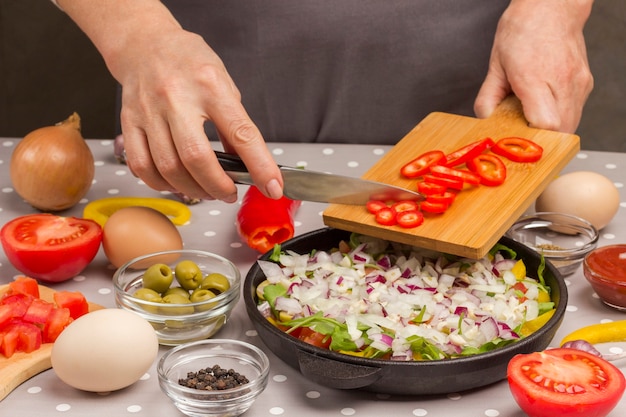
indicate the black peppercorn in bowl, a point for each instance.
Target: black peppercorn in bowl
{"x":214,"y":377}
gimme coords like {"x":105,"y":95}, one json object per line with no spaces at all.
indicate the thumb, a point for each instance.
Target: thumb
{"x":493,"y":90}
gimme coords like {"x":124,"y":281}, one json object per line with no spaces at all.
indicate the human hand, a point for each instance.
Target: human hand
{"x":539,"y":54}
{"x":172,"y":84}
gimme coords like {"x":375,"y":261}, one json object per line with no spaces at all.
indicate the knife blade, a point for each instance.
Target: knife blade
{"x":321,"y":187}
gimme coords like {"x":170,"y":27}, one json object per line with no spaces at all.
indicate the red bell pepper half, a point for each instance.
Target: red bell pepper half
{"x":263,"y":222}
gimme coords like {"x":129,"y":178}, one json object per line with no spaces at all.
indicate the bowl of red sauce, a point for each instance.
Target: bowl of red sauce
{"x":605,"y":269}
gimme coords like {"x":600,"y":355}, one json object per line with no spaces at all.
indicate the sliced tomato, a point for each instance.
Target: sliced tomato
{"x":386,"y":216}
{"x":464,"y":175}
{"x":19,"y":303}
{"x":428,"y":188}
{"x":564,"y":382}
{"x":24,"y":285}
{"x":410,"y":218}
{"x":467,"y":152}
{"x":447,"y":197}
{"x":405,"y":205}
{"x":314,"y":338}
{"x":74,"y":301}
{"x":455,"y":184}
{"x":489,"y":168}
{"x":420,"y":165}
{"x":433,"y":207}
{"x":49,"y":247}
{"x":518,"y":149}
{"x":374,"y":205}
{"x":8,"y":342}
{"x":6,"y":314}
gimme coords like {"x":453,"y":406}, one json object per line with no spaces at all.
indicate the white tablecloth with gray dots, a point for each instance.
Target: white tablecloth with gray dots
{"x":288,"y":393}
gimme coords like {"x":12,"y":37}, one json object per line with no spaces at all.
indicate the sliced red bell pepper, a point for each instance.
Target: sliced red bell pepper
{"x":374,"y":205}
{"x":410,"y":218}
{"x":263,"y":222}
{"x":446,"y":182}
{"x":518,"y":149}
{"x":420,"y":165}
{"x":464,"y":175}
{"x":386,"y":216}
{"x":429,"y":188}
{"x":447,"y":197}
{"x":433,"y":207}
{"x":490,"y":169}
{"x":404,"y":205}
{"x":467,"y":152}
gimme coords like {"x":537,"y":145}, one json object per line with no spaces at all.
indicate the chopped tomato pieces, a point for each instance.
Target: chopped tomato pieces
{"x":27,"y":321}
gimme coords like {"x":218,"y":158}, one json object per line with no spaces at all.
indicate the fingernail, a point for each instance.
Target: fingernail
{"x":231,"y":198}
{"x":273,"y":189}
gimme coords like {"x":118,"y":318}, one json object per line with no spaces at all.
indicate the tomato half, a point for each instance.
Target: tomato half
{"x":420,"y":165}
{"x":314,"y":338}
{"x":518,"y":149}
{"x":490,"y":169}
{"x":564,"y":382}
{"x":49,"y":247}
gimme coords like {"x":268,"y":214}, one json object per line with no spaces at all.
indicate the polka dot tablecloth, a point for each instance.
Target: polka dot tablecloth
{"x":288,"y":393}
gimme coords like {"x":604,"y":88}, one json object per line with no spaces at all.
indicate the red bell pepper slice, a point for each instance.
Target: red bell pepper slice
{"x":373,"y":206}
{"x":467,"y":152}
{"x":466,"y":176}
{"x":447,"y":197}
{"x":405,"y":205}
{"x":490,"y":168}
{"x":518,"y":149}
{"x":263,"y":222}
{"x":433,"y":207}
{"x":429,"y":188}
{"x":410,"y":218}
{"x":455,"y":184}
{"x":420,"y":165}
{"x":386,"y":216}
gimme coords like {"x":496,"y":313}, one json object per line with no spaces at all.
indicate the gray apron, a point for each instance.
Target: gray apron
{"x":347,"y":71}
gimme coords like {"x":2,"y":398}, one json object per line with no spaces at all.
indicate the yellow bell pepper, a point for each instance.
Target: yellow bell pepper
{"x":100,"y":210}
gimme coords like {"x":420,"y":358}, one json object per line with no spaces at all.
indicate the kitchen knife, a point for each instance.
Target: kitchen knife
{"x":301,"y":184}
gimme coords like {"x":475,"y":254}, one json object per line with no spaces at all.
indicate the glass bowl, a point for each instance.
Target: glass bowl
{"x":562,"y":239}
{"x":177,"y":323}
{"x":605,"y":270}
{"x":241,"y":357}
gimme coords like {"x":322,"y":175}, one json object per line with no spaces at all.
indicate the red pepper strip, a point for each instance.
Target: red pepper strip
{"x":455,"y":184}
{"x":432,"y":207}
{"x":263,"y":222}
{"x":467,"y":177}
{"x":373,"y":206}
{"x":490,"y":168}
{"x":518,"y":149}
{"x":429,"y":188}
{"x":467,"y":152}
{"x":447,"y":197}
{"x":420,"y":165}
{"x":410,"y":218}
{"x":386,"y":216}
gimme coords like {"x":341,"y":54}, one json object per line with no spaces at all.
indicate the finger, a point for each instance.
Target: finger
{"x":494,"y":89}
{"x":540,"y":106}
{"x":241,"y":135}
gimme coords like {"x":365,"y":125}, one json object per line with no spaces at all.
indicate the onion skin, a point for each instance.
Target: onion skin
{"x":52,"y":168}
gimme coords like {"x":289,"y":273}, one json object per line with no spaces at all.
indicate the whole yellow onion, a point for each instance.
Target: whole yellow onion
{"x":52,"y":168}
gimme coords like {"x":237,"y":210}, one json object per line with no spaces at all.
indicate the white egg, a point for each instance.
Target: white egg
{"x":585,"y":194}
{"x":104,"y":350}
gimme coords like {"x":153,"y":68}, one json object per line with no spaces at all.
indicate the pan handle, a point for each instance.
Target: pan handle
{"x":336,"y":374}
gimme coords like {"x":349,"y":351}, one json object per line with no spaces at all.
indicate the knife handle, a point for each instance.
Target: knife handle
{"x":230,"y":162}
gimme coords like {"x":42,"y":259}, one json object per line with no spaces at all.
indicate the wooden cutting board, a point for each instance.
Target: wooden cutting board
{"x":479,"y":215}
{"x":22,"y":366}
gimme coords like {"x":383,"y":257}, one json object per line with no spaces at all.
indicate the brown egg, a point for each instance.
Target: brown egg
{"x":585,"y":194}
{"x":135,"y":231}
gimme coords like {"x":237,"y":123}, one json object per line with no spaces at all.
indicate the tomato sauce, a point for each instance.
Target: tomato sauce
{"x":605,"y":269}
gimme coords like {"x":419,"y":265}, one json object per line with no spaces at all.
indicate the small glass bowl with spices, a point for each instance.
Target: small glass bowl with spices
{"x":213,"y":377}
{"x":562,"y":239}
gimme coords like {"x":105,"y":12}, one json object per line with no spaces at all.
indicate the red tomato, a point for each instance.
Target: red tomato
{"x":420,"y":165}
{"x":467,"y":152}
{"x":374,"y":205}
{"x":490,"y":169}
{"x":410,"y":218}
{"x":49,"y":247}
{"x":405,"y":205}
{"x":518,"y":149}
{"x":429,"y":188}
{"x":386,"y":216}
{"x":314,"y":338}
{"x":38,"y":311}
{"x":466,"y":176}
{"x":58,"y":320}
{"x":565,"y":382}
